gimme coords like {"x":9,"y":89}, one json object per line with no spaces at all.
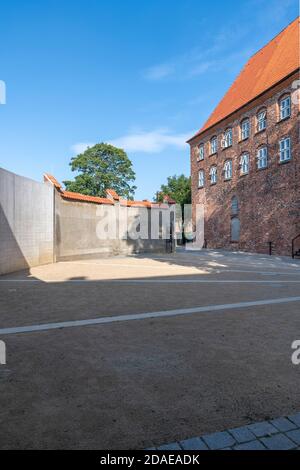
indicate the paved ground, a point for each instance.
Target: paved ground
{"x":276,"y":434}
{"x":142,"y":351}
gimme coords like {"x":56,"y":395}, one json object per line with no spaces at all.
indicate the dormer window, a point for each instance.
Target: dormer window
{"x":213,"y":145}
{"x":227,"y":140}
{"x":285,"y":107}
{"x":201,"y":152}
{"x":261,"y":120}
{"x":245,"y":129}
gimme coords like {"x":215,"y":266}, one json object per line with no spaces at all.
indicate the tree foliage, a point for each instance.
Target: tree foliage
{"x":178,"y":188}
{"x":102,"y":167}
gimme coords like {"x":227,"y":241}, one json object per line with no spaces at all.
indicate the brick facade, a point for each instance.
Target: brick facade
{"x":268,"y":199}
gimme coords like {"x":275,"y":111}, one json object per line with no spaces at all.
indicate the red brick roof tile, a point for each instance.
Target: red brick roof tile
{"x":112,"y":194}
{"x":275,"y":61}
{"x":85,"y":198}
{"x":52,"y":180}
{"x":99,"y":200}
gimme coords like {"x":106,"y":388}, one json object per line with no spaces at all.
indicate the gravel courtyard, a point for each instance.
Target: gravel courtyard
{"x":135,"y":352}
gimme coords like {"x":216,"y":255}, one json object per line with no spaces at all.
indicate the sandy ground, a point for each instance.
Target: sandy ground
{"x":143,"y":382}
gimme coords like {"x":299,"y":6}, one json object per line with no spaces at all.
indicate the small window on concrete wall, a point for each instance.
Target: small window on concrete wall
{"x":235,"y":229}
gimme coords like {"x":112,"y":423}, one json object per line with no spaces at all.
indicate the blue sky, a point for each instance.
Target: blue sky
{"x":143,"y":75}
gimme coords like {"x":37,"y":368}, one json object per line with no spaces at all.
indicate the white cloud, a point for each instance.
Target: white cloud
{"x":81,"y":147}
{"x":151,"y":142}
{"x":158,"y":72}
{"x":142,"y":141}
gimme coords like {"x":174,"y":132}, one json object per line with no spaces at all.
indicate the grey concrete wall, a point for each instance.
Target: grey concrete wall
{"x":38,"y":226}
{"x":77,"y":237}
{"x":26,"y":222}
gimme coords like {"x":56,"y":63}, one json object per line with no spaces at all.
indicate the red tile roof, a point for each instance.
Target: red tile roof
{"x":52,"y":180}
{"x":136,"y":203}
{"x":85,"y":198}
{"x":111,"y":193}
{"x":168,"y":199}
{"x":275,"y":61}
{"x":100,"y":200}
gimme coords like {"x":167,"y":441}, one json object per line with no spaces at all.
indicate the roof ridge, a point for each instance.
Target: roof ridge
{"x":273,"y":39}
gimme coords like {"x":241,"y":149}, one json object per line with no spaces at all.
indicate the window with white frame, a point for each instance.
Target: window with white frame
{"x":228,"y":170}
{"x":261,"y":120}
{"x":213,"y":145}
{"x":201,"y":152}
{"x":227,"y":140}
{"x":245,"y":129}
{"x":213,"y":175}
{"x":244,"y":164}
{"x":285,"y":149}
{"x":262,"y":158}
{"x":285,"y":107}
{"x":201,"y":179}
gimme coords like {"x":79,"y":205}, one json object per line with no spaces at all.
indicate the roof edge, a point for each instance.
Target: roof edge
{"x":199,"y":133}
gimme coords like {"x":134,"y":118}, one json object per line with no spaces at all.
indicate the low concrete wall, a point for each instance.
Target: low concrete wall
{"x":38,"y":226}
{"x":76,"y":232}
{"x":26,"y":222}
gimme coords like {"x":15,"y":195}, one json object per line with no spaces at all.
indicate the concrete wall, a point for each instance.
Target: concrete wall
{"x":26,"y":222}
{"x":76,"y":231}
{"x":38,"y":226}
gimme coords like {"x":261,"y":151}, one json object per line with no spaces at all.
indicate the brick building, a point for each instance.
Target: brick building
{"x":245,"y":160}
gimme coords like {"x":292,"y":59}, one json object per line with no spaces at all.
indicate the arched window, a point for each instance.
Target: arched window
{"x":201,"y":152}
{"x":227,"y":140}
{"x":213,"y":175}
{"x":213,"y":145}
{"x":261,"y":120}
{"x":234,"y":206}
{"x":244,"y":164}
{"x":285,"y":149}
{"x":262,"y":158}
{"x":228,"y":170}
{"x":245,"y":129}
{"x":201,"y":179}
{"x":285,"y":107}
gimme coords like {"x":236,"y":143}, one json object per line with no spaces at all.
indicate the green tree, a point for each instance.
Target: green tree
{"x":102,"y":167}
{"x":178,"y":188}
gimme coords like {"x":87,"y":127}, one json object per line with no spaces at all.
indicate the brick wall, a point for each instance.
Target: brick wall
{"x":269,"y":199}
